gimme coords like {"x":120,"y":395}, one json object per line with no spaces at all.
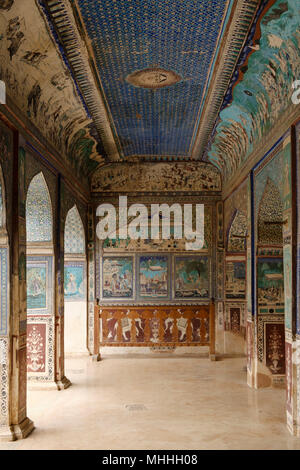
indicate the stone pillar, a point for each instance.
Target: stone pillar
{"x":60,"y":378}
{"x":291,"y":269}
{"x":16,"y":424}
{"x":91,"y":246}
{"x":219,"y":293}
{"x":250,"y":266}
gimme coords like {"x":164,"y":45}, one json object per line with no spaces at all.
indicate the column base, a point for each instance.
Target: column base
{"x":63,"y":383}
{"x":213,"y":357}
{"x":23,"y":429}
{"x":36,"y":386}
{"x":16,"y":431}
{"x":292,"y":425}
{"x":7,"y":434}
{"x":96,"y":357}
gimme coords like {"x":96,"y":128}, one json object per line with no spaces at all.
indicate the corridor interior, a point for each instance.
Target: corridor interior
{"x":113,"y":115}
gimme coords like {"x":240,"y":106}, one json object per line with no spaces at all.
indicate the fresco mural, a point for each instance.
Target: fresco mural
{"x":235,"y":280}
{"x":36,"y":287}
{"x":265,"y":91}
{"x":39,"y":275}
{"x":270,"y":282}
{"x":56,"y":110}
{"x":181,"y":176}
{"x":74,"y":285}
{"x":153,"y":276}
{"x":150,"y":325}
{"x":191,"y":277}
{"x":117,"y":245}
{"x":117,"y":275}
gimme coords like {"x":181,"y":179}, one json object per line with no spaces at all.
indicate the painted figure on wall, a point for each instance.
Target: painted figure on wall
{"x":191,"y":277}
{"x":117,"y":277}
{"x":270,"y":281}
{"x":153,"y":276}
{"x":36,"y":287}
{"x":74,"y":283}
{"x":168,"y":326}
{"x":140,"y":324}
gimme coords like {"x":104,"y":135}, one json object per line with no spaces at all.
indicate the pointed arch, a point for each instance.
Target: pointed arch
{"x":237,"y":233}
{"x":270,"y":211}
{"x":74,"y":233}
{"x":39,"y":219}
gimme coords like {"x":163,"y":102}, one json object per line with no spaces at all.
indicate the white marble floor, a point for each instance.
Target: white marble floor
{"x":157,"y":403}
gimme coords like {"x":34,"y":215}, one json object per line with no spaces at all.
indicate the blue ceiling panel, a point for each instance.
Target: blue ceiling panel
{"x":174,"y":35}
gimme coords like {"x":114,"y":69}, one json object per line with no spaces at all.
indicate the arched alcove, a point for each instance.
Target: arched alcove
{"x":38,"y":211}
{"x":75,"y":327}
{"x":237,"y":233}
{"x":74,"y":233}
{"x":270,"y":216}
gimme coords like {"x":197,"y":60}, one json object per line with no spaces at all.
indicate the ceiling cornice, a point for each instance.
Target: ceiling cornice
{"x":63,"y":27}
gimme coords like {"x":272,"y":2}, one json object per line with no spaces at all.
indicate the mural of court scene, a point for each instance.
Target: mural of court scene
{"x":117,"y":275}
{"x":270,"y":283}
{"x":153,"y":276}
{"x":191,"y":277}
{"x":36,"y":287}
{"x":74,"y":283}
{"x":235,"y":283}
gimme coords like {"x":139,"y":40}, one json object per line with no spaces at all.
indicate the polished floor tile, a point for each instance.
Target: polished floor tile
{"x":157,"y":403}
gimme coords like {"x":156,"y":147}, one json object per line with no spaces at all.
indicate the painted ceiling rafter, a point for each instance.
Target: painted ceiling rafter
{"x":59,"y":13}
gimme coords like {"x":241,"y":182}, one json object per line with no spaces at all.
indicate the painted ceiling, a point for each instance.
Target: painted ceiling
{"x":146,"y":70}
{"x":264,"y":93}
{"x":125,"y":81}
{"x":175,"y":36}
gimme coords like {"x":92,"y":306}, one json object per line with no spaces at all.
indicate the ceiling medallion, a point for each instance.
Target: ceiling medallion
{"x":153,"y":78}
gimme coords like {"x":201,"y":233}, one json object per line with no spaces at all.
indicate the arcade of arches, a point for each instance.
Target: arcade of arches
{"x":164,"y":102}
